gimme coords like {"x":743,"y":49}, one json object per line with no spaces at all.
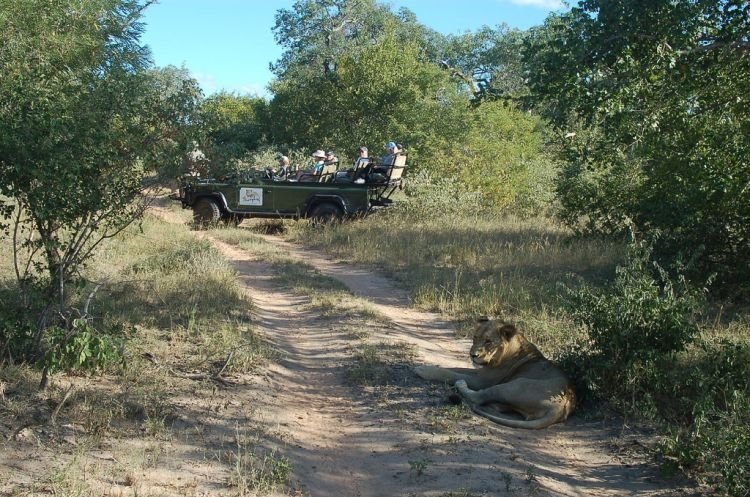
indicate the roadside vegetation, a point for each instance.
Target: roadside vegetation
{"x":584,"y":178}
{"x":158,"y":347}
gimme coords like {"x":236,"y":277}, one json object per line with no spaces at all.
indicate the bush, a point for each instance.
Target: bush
{"x":715,"y":444}
{"x":638,"y":323}
{"x":81,"y":348}
{"x":427,"y":197}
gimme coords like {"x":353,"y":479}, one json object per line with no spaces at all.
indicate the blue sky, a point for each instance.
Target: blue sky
{"x":228,"y":44}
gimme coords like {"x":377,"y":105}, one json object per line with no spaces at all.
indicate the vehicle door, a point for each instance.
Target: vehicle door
{"x":251,"y":195}
{"x":291,"y":198}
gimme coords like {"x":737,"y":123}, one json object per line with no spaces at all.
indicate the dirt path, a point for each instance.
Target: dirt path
{"x":402,"y":439}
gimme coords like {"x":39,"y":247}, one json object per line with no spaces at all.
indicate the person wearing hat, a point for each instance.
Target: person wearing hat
{"x":320,"y":160}
{"x":391,"y":151}
{"x":361,"y":165}
{"x":331,"y":157}
{"x":310,"y":173}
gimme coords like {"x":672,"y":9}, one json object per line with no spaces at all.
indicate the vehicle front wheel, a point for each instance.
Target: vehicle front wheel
{"x":325,"y":213}
{"x":206,"y":211}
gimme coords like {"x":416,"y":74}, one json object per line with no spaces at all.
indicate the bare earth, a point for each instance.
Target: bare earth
{"x":398,"y":437}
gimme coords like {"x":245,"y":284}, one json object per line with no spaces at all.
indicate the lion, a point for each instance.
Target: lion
{"x":511,"y":375}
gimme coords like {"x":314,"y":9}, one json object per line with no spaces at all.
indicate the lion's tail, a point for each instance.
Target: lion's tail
{"x":550,"y":417}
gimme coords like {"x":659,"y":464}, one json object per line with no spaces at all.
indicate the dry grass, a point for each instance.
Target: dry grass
{"x":186,"y":319}
{"x":469,"y":266}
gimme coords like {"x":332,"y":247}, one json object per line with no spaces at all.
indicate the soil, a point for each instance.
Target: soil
{"x":393,"y":435}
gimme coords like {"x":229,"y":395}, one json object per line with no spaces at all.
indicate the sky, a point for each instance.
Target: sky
{"x":228,"y":44}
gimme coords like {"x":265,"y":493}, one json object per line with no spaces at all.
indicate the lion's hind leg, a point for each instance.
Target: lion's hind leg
{"x":509,"y":397}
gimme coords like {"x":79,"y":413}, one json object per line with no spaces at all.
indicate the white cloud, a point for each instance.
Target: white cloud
{"x":543,"y":4}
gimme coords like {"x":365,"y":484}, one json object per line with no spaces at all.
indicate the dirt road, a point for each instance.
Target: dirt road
{"x":400,"y":438}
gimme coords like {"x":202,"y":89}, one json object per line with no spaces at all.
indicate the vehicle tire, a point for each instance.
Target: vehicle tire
{"x":206,"y":211}
{"x":325,"y":213}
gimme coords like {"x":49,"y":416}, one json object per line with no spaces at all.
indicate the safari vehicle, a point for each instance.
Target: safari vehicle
{"x":253,"y":194}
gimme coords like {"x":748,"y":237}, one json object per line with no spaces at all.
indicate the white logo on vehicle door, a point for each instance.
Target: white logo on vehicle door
{"x":251,"y":196}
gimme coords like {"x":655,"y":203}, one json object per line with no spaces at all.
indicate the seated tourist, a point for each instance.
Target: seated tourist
{"x":312,"y":173}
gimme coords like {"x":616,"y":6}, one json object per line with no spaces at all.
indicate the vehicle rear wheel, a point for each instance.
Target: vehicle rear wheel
{"x":206,"y":211}
{"x":325,"y":213}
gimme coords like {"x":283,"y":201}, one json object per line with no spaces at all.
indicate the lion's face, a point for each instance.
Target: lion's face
{"x":491,"y":339}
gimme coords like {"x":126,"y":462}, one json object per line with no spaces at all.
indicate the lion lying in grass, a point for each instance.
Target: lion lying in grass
{"x":511,"y":375}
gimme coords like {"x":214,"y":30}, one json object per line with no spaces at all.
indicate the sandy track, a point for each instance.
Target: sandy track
{"x":346,"y":442}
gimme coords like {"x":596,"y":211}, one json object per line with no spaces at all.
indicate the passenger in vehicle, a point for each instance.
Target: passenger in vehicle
{"x":331,"y":158}
{"x":361,"y":165}
{"x":311,"y":174}
{"x":381,"y":171}
{"x":392,"y":149}
{"x":280,"y":172}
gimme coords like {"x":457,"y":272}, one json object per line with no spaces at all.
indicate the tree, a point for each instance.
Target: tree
{"x":174,"y":99}
{"x":81,"y":121}
{"x":655,"y":98}
{"x":488,"y":62}
{"x":316,"y":33}
{"x":378,"y":93}
{"x":233,"y":125}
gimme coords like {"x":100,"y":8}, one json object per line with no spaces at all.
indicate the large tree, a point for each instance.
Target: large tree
{"x":81,"y":121}
{"x":653,"y":99}
{"x":316,"y":33}
{"x":233,"y":125}
{"x":381,"y":92}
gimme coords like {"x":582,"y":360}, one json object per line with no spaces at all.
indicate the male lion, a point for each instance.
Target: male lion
{"x":511,"y":376}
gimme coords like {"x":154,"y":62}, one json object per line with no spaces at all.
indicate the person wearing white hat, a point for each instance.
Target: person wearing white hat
{"x":310,"y":173}
{"x":320,"y":157}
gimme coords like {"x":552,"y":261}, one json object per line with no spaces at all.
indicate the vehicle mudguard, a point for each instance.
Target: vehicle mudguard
{"x":217,"y":196}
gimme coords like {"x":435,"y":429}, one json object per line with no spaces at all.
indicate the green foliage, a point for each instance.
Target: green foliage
{"x":234,"y":125}
{"x":496,"y":155}
{"x":81,"y":348}
{"x":82,"y":121}
{"x":488,"y":62}
{"x":713,"y":389}
{"x":17,"y":324}
{"x":428,"y":197}
{"x":316,"y":34}
{"x":173,"y":98}
{"x":659,"y":118}
{"x":379,"y":93}
{"x":638,"y":323}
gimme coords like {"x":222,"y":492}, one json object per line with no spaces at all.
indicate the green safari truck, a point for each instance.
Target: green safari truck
{"x":252,"y":194}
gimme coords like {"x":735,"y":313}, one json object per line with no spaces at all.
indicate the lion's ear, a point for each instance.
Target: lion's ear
{"x":507,"y":331}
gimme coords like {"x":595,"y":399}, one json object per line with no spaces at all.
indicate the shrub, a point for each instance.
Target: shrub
{"x":715,"y":444}
{"x":81,"y":348}
{"x":640,"y":321}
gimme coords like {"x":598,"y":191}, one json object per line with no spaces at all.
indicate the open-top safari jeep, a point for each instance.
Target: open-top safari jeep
{"x":255,"y":194}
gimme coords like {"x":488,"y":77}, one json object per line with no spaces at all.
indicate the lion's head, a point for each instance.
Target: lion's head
{"x":496,"y":341}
